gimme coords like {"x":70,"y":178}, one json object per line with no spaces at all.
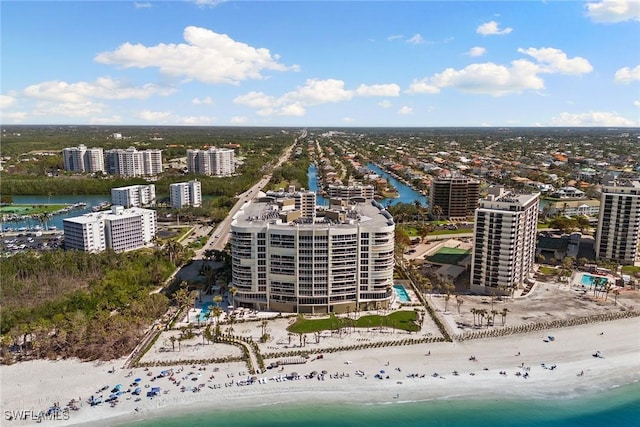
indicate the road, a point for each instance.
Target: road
{"x":221,"y":234}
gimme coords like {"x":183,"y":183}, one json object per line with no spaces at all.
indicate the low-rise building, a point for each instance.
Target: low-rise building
{"x":119,"y":229}
{"x":134,"y":196}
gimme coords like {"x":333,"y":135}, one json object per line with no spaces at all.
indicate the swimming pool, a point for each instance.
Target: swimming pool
{"x":403,"y":296}
{"x":589,"y":279}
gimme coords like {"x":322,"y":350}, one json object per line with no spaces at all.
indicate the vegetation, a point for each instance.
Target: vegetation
{"x":404,"y":320}
{"x":77,"y":304}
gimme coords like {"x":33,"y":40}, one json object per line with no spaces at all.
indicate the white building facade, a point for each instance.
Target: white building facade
{"x":83,"y":159}
{"x":334,"y":261}
{"x":619,"y":222}
{"x":505,"y":233}
{"x":119,"y":229}
{"x":131,"y":162}
{"x":134,"y":196}
{"x":214,"y":161}
{"x":183,"y":194}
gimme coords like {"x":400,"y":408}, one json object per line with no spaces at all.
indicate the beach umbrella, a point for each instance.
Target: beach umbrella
{"x":294,"y":374}
{"x":324,"y":372}
{"x":382,"y":371}
{"x":138,"y":380}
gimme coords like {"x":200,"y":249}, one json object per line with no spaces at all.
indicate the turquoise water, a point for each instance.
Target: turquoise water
{"x":618,"y":407}
{"x":588,"y":279}
{"x":406,"y":193}
{"x":403,"y":296}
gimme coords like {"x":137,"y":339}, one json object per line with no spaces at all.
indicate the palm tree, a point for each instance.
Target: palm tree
{"x":437,"y":211}
{"x":173,"y":340}
{"x":217,"y":312}
{"x":217,"y":299}
{"x":459,"y":302}
{"x":493,"y":316}
{"x":503,"y":313}
{"x":233,"y":291}
{"x":474,"y":311}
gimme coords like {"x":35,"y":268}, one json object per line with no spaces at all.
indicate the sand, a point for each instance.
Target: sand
{"x":36,"y":385}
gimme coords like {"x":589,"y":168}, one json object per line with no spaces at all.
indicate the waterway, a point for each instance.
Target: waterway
{"x":406,"y":194}
{"x":55,"y":220}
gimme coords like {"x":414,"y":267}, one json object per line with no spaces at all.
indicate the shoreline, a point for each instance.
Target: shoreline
{"x":571,"y":351}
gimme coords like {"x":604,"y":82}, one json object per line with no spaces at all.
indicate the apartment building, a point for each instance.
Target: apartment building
{"x":119,"y":229}
{"x":214,"y":161}
{"x":351,"y":191}
{"x":134,"y":196}
{"x":457,"y":196}
{"x":82,"y":159}
{"x":619,"y":221}
{"x":184,"y":194}
{"x":505,"y":233}
{"x":131,"y":162}
{"x":334,"y":259}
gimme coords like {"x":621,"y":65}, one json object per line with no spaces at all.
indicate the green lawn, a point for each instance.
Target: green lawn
{"x":30,"y":209}
{"x":630,"y":269}
{"x":402,"y":319}
{"x":445,"y":231}
{"x":548,"y":271}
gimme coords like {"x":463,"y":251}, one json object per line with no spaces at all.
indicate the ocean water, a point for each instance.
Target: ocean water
{"x":614,"y":407}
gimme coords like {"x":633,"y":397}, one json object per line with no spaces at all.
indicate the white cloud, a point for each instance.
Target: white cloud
{"x":208,"y":3}
{"x":405,"y":110}
{"x":207,"y":56}
{"x":422,"y":86}
{"x":395,"y":37}
{"x":416,"y":39}
{"x":347,"y":120}
{"x":378,"y":90}
{"x":612,"y":11}
{"x":627,"y":75}
{"x":492,"y":28}
{"x":106,"y":120}
{"x":498,"y":80}
{"x":637,"y":103}
{"x":13,"y":117}
{"x":154,"y":116}
{"x":195,"y":120}
{"x":557,"y":61}
{"x":6,"y":101}
{"x":314,"y":92}
{"x":236,"y":120}
{"x":102,"y":88}
{"x":255,"y":100}
{"x":68,"y":109}
{"x":477,"y":51}
{"x":295,"y":109}
{"x":594,"y":118}
{"x":207,"y":100}
{"x":385,"y":104}
{"x":139,"y":5}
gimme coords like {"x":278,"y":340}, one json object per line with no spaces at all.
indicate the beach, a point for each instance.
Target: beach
{"x":554,"y":364}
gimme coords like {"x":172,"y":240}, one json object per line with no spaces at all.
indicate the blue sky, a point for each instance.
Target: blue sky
{"x":327,"y":63}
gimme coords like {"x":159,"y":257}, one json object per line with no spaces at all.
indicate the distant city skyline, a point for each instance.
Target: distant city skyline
{"x":356,"y":63}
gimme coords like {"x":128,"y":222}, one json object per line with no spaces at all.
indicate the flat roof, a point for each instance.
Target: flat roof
{"x":266,"y":211}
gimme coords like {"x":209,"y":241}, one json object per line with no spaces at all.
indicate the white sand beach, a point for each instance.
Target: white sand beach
{"x":507,"y":367}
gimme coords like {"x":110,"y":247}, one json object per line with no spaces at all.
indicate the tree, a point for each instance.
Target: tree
{"x":437,"y":211}
{"x":503,"y":313}
{"x":173,"y":340}
{"x":233,"y":291}
{"x":459,"y":302}
{"x":217,"y":299}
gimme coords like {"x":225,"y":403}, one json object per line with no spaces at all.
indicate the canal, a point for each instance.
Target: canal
{"x":406,"y":193}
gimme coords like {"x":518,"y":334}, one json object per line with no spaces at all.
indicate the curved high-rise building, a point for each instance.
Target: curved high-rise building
{"x":286,"y":258}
